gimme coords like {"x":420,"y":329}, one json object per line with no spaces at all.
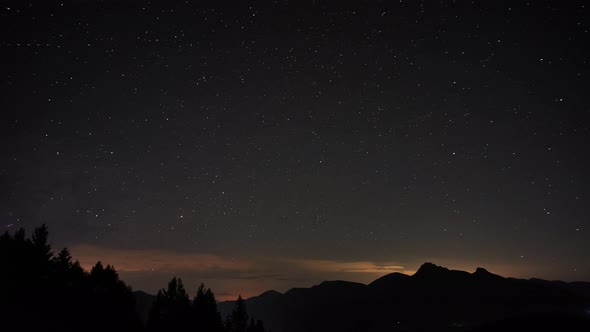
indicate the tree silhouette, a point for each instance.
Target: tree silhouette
{"x":41,"y":244}
{"x":19,"y":235}
{"x":205,"y":313}
{"x":239,"y":316}
{"x":156,"y":316}
{"x":111,"y":298}
{"x":43,"y":291}
{"x":63,"y":260}
{"x":171,"y":309}
{"x":65,"y":268}
{"x":255,"y":326}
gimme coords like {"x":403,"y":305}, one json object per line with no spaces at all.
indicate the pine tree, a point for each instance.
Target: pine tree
{"x":205,"y":313}
{"x":172,"y":308}
{"x":40,"y":241}
{"x":239,"y":316}
{"x":20,"y":235}
{"x":97,"y":270}
{"x":156,"y":314}
{"x":63,"y":261}
{"x":56,"y":291}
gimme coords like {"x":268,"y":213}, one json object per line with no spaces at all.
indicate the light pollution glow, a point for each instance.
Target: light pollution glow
{"x":150,"y":270}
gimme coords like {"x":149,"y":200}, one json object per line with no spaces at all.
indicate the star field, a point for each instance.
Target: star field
{"x":387,"y":131}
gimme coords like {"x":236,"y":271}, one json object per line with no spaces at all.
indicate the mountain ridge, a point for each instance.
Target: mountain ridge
{"x":434,"y":298}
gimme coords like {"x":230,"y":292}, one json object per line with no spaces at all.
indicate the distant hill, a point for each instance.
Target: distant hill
{"x":433,"y":299}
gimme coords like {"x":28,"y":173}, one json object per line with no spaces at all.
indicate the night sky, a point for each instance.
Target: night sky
{"x":256,"y":145}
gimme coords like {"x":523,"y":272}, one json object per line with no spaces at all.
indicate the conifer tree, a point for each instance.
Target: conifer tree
{"x":239,"y":316}
{"x":205,"y":313}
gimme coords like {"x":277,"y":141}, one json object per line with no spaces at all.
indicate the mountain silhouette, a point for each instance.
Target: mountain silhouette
{"x":433,"y":299}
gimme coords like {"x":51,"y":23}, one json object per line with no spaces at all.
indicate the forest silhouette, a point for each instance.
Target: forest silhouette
{"x":46,"y":291}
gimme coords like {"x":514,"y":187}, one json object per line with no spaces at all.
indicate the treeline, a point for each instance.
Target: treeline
{"x":173,"y":310}
{"x":41,"y":290}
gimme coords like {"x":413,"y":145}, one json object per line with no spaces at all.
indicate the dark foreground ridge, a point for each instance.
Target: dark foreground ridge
{"x":433,"y":299}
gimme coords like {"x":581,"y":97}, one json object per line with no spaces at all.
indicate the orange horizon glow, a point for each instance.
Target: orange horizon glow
{"x":151,"y":269}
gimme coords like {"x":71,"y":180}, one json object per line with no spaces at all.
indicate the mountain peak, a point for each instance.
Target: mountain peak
{"x":430,"y":268}
{"x":480,"y":272}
